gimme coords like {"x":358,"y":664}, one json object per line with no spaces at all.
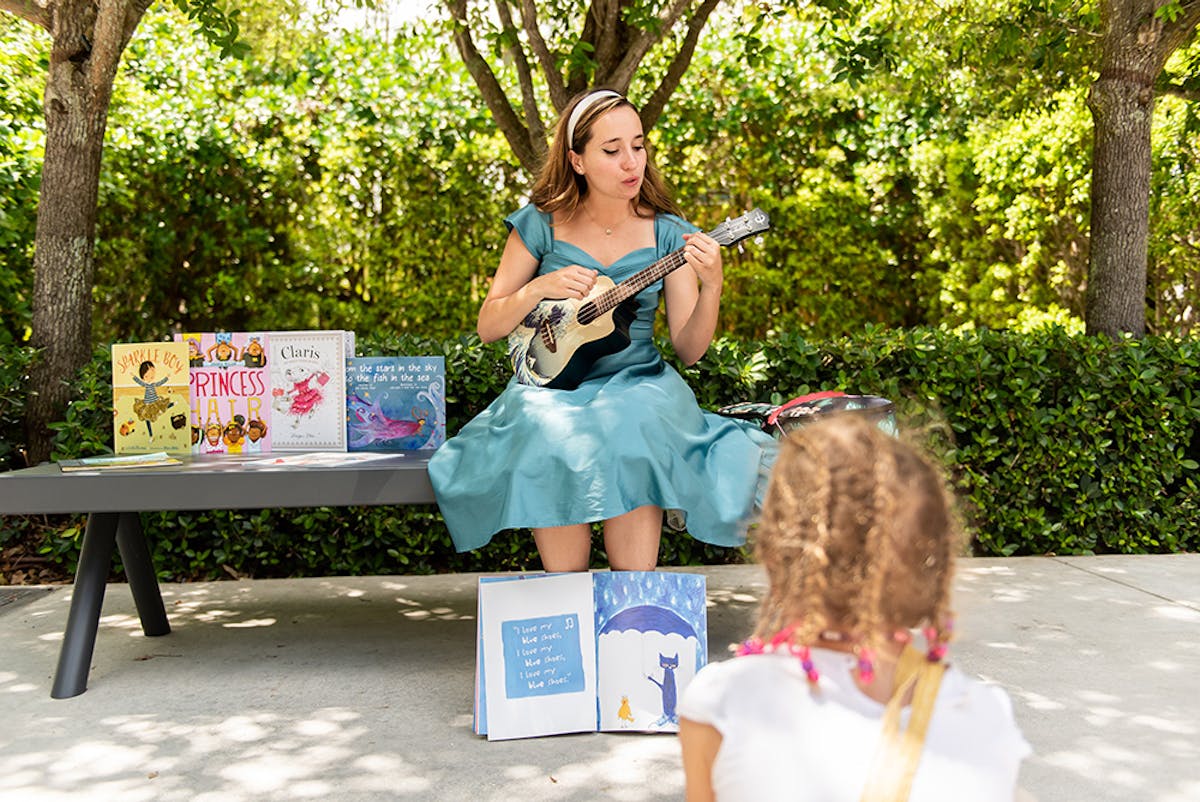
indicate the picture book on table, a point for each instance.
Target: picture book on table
{"x":150,"y":398}
{"x":118,"y":462}
{"x":307,"y":372}
{"x":229,"y":392}
{"x":582,"y":652}
{"x":395,"y":403}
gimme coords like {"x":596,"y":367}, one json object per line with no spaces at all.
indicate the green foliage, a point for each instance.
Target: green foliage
{"x":217,"y":23}
{"x":344,"y":180}
{"x":1174,"y":263}
{"x":21,"y":55}
{"x":1007,"y":211}
{"x":1054,"y":442}
{"x":906,"y":196}
{"x":23,"y":58}
{"x":87,"y":426}
{"x":1078,"y":445}
{"x":829,"y":167}
{"x":1057,"y":443}
{"x":358,"y":185}
{"x":14,"y":381}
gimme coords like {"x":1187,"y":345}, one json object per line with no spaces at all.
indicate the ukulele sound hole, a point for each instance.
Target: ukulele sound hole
{"x":587,"y":313}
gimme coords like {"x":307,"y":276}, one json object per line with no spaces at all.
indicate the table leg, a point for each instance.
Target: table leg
{"x":87,"y":597}
{"x":139,"y":570}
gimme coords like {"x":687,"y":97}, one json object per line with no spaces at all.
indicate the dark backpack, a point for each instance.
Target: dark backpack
{"x":779,"y":420}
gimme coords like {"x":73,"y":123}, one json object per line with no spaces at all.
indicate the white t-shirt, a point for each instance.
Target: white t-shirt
{"x":783,"y":740}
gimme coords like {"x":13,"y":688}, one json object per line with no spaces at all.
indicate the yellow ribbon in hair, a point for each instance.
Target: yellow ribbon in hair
{"x":899,"y":751}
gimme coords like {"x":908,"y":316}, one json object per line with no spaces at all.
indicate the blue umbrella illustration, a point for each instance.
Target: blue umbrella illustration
{"x":649,"y":618}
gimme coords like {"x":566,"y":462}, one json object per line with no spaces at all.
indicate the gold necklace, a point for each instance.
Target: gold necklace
{"x":608,"y":230}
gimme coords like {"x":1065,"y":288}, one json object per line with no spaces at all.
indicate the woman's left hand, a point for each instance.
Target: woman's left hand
{"x":703,"y":253}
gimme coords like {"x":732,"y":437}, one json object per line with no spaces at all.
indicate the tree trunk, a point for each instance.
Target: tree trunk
{"x":1136,"y":39}
{"x":1121,"y":107}
{"x":88,"y":39}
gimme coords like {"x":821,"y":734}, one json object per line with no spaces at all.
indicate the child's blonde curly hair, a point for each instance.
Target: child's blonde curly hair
{"x":858,"y":537}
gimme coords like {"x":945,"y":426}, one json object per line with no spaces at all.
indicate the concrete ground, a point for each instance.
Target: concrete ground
{"x":361,"y":689}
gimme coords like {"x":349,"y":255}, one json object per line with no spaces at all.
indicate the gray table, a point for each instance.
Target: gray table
{"x":112,"y":500}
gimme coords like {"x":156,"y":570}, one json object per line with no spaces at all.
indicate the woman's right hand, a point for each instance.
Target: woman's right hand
{"x":517,"y":289}
{"x":572,"y":281}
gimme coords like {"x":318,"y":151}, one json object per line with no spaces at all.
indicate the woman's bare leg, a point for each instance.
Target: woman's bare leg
{"x":631,"y":540}
{"x":564,"y":548}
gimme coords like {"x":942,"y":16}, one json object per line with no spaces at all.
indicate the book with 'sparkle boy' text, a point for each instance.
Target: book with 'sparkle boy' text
{"x":150,"y":398}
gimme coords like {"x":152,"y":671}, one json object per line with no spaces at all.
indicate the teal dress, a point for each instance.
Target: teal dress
{"x":629,"y":435}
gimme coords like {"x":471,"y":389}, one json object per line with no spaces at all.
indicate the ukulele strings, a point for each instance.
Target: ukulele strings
{"x":611,"y":297}
{"x":626,"y":289}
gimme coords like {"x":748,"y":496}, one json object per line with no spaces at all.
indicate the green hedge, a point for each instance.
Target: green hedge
{"x":1055,"y":444}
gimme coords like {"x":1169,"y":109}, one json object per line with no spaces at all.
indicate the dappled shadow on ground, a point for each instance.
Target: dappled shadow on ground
{"x":732,"y":608}
{"x":324,"y":689}
{"x":1100,"y":658}
{"x":361,"y":689}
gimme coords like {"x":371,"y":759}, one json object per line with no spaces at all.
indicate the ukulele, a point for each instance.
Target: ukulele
{"x":557,"y":343}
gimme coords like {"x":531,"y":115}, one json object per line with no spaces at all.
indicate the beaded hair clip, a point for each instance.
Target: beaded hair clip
{"x":864,"y":656}
{"x":936,"y":640}
{"x":783,"y":638}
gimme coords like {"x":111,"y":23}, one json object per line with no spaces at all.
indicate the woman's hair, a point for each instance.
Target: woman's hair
{"x":560,"y":188}
{"x":858,"y":537}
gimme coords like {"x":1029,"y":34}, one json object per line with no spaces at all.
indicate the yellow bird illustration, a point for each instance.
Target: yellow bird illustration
{"x":624,"y":713}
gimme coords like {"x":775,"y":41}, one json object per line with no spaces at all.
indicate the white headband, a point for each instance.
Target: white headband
{"x":583,"y":105}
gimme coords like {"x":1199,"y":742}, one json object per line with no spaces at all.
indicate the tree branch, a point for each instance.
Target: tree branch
{"x":607,"y":30}
{"x":1175,"y":34}
{"x":512,"y":46}
{"x":622,"y":76}
{"x":108,"y":40}
{"x":653,"y":106}
{"x":554,"y":81}
{"x":493,"y":94}
{"x":116,"y":22}
{"x":36,"y":12}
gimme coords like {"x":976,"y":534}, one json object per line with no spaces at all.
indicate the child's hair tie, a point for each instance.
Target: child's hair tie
{"x":783,"y":638}
{"x":935,"y":641}
{"x":750,"y":646}
{"x":866,"y":664}
{"x":806,"y":663}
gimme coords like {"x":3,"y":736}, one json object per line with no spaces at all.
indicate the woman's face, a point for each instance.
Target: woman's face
{"x":614,"y":159}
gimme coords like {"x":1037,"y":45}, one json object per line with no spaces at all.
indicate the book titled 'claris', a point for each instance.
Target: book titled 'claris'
{"x":308,"y":390}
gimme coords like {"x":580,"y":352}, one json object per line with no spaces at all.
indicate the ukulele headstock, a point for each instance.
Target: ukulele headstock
{"x":733,"y":231}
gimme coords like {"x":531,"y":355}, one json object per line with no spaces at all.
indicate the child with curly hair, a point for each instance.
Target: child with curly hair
{"x":829,"y":700}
